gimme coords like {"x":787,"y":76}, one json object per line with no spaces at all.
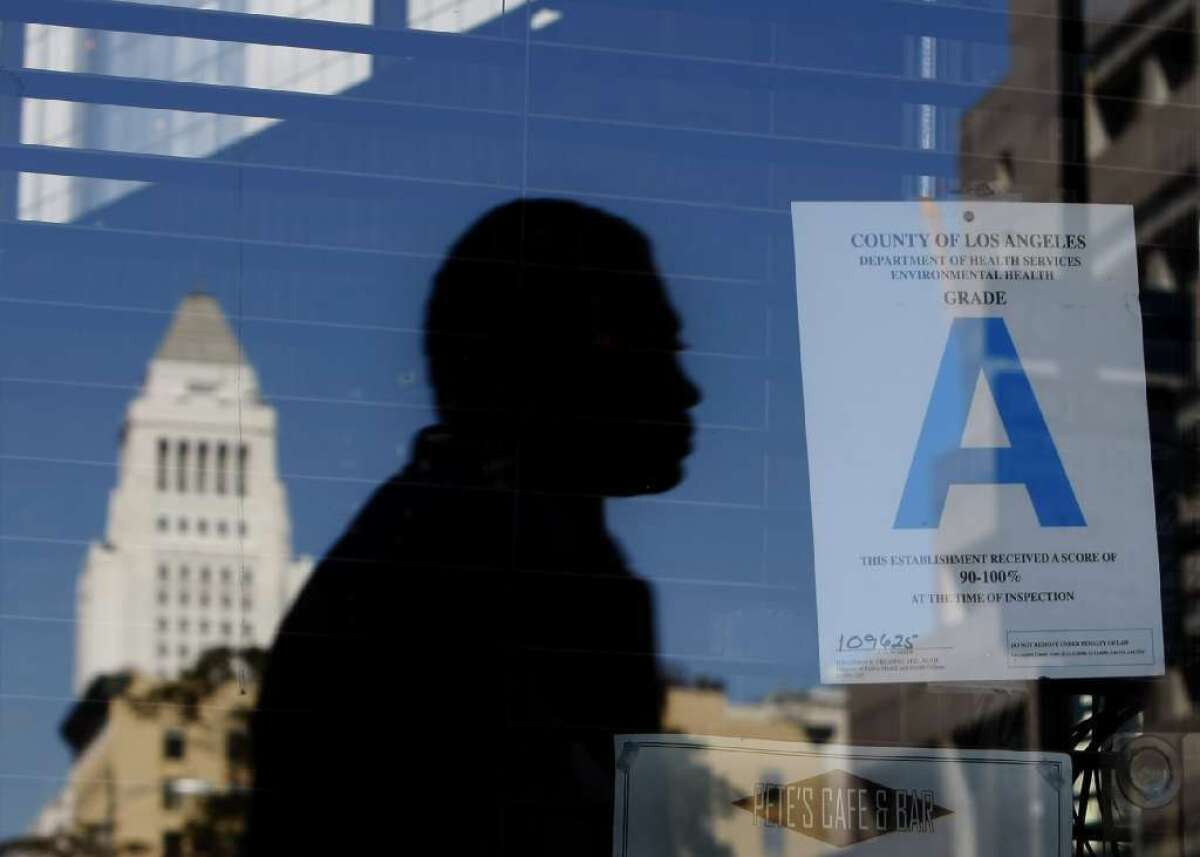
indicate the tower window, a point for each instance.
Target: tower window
{"x":172,"y":840}
{"x":181,"y":464}
{"x":242,"y":463}
{"x":163,"y":572}
{"x":161,"y":470}
{"x":237,"y":746}
{"x":162,"y":523}
{"x":173,"y":744}
{"x":201,"y":467}
{"x":222,"y":465}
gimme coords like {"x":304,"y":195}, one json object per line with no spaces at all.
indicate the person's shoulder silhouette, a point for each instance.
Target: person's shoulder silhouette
{"x":474,"y":640}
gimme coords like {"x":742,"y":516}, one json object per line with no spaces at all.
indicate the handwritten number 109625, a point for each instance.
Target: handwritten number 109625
{"x":872,"y":642}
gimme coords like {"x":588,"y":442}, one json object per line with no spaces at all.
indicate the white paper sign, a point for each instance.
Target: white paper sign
{"x":680,"y":794}
{"x":978,"y":445}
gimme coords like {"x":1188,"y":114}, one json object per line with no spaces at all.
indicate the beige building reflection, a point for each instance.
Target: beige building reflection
{"x":817,"y":716}
{"x":160,"y":768}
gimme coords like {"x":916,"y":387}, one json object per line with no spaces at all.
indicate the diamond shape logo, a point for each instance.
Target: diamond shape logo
{"x":841,"y":808}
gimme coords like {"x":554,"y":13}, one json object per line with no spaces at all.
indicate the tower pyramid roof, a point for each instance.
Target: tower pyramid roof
{"x":200,"y":333}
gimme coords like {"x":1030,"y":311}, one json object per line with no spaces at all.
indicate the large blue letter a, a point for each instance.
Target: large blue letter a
{"x":983,"y":345}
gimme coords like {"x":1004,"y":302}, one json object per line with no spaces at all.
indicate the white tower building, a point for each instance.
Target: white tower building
{"x":197,"y":552}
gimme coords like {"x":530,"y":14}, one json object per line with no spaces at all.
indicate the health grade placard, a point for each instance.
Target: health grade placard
{"x":978,"y":444}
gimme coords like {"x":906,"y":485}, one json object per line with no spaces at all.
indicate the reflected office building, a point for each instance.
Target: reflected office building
{"x":1098,"y":107}
{"x":121,"y":128}
{"x":1104,"y":108}
{"x":131,"y":56}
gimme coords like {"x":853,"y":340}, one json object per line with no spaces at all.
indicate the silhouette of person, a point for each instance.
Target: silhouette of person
{"x":453,"y":673}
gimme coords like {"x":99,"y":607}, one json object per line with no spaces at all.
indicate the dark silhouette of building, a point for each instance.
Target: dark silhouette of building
{"x":457,"y":666}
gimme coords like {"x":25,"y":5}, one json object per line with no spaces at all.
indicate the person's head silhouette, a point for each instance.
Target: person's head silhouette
{"x":549,"y":326}
{"x":483,"y":573}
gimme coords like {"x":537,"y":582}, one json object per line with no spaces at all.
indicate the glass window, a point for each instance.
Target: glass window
{"x":222,"y":466}
{"x":181,"y":465}
{"x":161,"y":469}
{"x":810,"y":389}
{"x":173,"y":744}
{"x":172,"y":842}
{"x":201,"y":466}
{"x":237,"y":746}
{"x":243,"y":463}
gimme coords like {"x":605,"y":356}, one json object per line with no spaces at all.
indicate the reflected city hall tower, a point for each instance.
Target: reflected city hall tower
{"x":197,"y":553}
{"x":476,"y":638}
{"x":175,"y":607}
